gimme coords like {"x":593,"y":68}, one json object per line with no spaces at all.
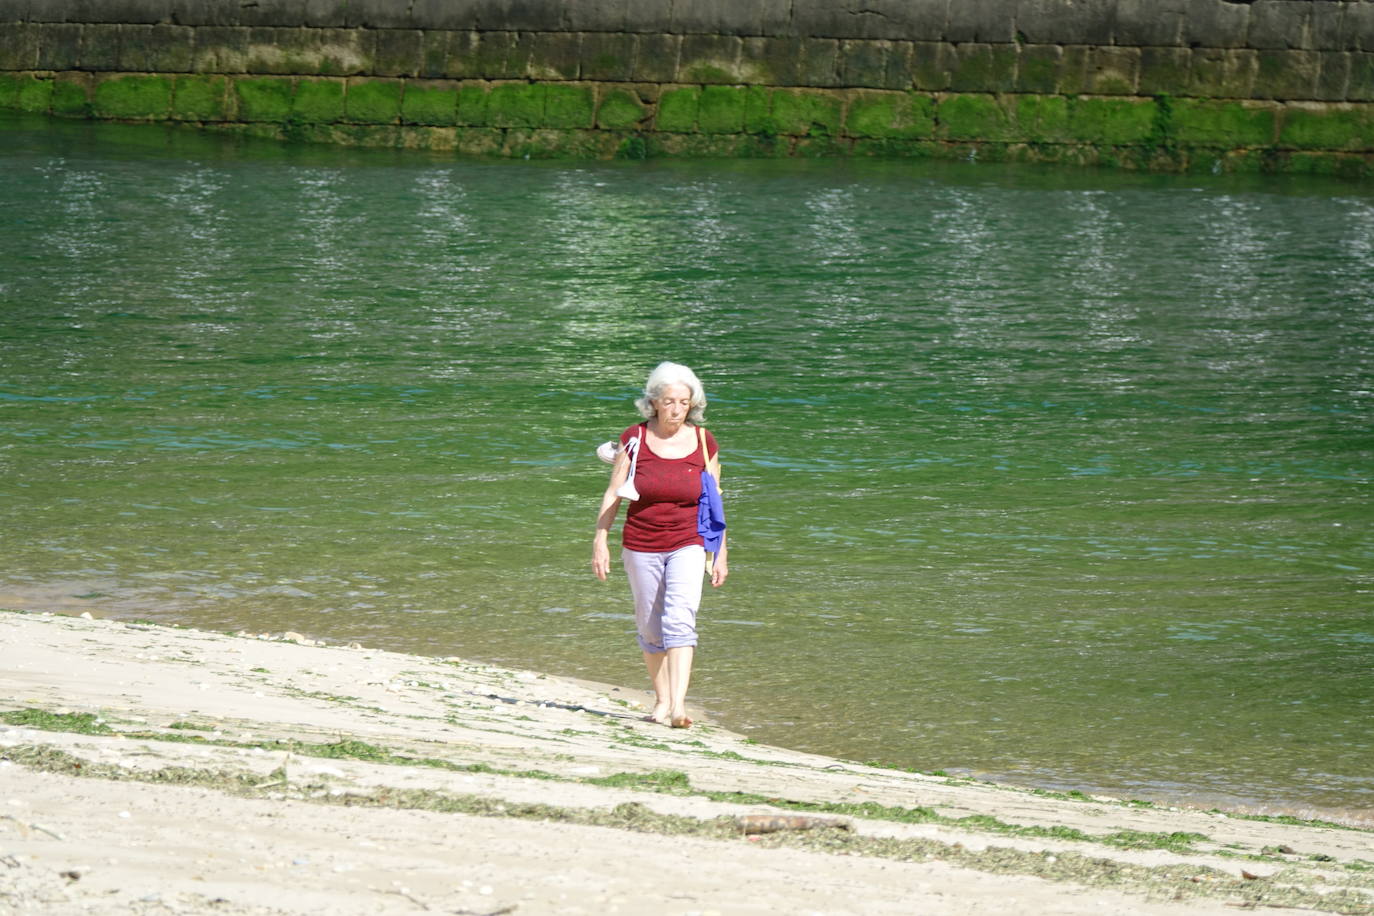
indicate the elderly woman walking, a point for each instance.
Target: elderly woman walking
{"x":659,"y":468}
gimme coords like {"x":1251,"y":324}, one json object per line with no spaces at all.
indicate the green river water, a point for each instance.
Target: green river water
{"x":1053,"y":477}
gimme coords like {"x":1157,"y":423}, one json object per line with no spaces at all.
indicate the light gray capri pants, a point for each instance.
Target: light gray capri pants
{"x":667,"y":593}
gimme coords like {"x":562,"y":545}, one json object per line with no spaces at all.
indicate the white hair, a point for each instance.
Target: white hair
{"x":666,"y":374}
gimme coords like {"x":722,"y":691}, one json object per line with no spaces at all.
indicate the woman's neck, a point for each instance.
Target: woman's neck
{"x":663,"y":430}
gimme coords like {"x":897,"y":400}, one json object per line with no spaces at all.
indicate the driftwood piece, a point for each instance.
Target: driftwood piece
{"x":25,"y":828}
{"x":752,"y":824}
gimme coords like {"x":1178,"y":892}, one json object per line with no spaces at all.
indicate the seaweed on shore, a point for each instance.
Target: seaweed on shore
{"x":666,"y":782}
{"x":1155,"y":882}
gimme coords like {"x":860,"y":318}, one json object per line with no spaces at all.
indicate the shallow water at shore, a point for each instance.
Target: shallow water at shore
{"x":1055,"y":477}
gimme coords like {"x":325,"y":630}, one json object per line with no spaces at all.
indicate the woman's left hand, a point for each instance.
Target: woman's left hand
{"x":719,"y":570}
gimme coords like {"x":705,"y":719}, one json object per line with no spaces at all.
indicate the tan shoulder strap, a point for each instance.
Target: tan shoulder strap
{"x":712,"y":461}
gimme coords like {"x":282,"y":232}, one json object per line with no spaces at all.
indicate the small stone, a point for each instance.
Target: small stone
{"x":485,"y":890}
{"x":86,"y":615}
{"x":293,"y":636}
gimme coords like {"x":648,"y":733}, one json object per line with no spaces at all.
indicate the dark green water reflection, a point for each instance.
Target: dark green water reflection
{"x":1055,"y":477}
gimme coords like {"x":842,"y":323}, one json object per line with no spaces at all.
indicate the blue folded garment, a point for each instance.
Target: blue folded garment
{"x":710,"y":513}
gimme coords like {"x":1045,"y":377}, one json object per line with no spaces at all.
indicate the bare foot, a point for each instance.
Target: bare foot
{"x":682,"y":721}
{"x":659,"y":715}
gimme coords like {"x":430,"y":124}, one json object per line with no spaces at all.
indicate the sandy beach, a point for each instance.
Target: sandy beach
{"x":149,"y":770}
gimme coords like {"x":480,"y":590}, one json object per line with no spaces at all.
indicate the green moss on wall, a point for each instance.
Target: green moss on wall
{"x":9,"y":91}
{"x":821,"y":147}
{"x":1349,"y":127}
{"x":373,"y":101}
{"x":70,"y":96}
{"x":677,"y":110}
{"x":1335,"y":165}
{"x":765,"y":146}
{"x":264,"y":99}
{"x":632,"y":147}
{"x":1042,"y":118}
{"x":472,"y":107}
{"x":891,"y":115}
{"x":318,"y":101}
{"x":33,"y":94}
{"x":758,"y":112}
{"x":1111,"y":122}
{"x":894,"y":149}
{"x":721,"y":110}
{"x":429,"y":105}
{"x":568,"y":106}
{"x":133,"y":97}
{"x":1205,"y":122}
{"x":804,"y":112}
{"x":516,"y":105}
{"x":870,"y":114}
{"x":973,"y":116}
{"x":581,"y":120}
{"x":619,"y":110}
{"x":200,"y":98}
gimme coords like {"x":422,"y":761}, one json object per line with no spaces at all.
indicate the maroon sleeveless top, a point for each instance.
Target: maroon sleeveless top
{"x":664,"y":517}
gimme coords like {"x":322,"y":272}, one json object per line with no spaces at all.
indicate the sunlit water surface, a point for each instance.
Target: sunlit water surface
{"x":1051,"y":477}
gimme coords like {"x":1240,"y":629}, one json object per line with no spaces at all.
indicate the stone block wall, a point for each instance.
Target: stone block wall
{"x":1170,"y":84}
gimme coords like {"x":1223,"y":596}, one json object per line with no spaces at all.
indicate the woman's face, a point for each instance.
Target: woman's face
{"x":673,"y":404}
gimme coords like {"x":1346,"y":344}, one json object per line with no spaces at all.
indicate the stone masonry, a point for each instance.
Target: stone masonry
{"x":1272,"y":85}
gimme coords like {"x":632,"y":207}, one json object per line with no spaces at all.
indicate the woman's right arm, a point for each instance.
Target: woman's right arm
{"x":610,"y":507}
